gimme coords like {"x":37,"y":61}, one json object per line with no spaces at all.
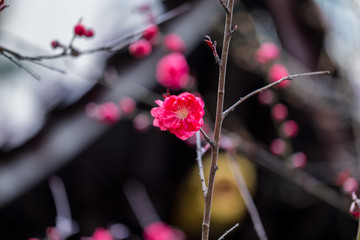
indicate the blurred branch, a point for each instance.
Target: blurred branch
{"x":246,"y":195}
{"x":228,"y":231}
{"x":70,"y":50}
{"x":297,"y":176}
{"x":200,"y":164}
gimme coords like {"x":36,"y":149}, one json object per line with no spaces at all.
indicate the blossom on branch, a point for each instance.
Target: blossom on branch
{"x":140,"y":49}
{"x":181,"y":115}
{"x":80,"y":30}
{"x":172,"y":71}
{"x":276,"y":72}
{"x":151,"y":33}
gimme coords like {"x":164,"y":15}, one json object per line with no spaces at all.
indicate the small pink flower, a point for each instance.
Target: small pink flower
{"x":79,"y":29}
{"x":279,"y":112}
{"x":267,"y":52}
{"x":127,"y":105}
{"x":276,"y":72}
{"x":102,"y":234}
{"x":141,"y":122}
{"x":290,"y":128}
{"x":172,"y":71}
{"x":278,"y":147}
{"x":298,"y":160}
{"x":34,"y":239}
{"x":181,"y":115}
{"x":140,"y":49}
{"x":266,"y":97}
{"x":174,"y":42}
{"x":350,"y":185}
{"x":161,"y":231}
{"x":151,"y":33}
{"x":108,"y":112}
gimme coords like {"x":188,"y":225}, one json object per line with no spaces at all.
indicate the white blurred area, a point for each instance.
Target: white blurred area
{"x":28,"y":27}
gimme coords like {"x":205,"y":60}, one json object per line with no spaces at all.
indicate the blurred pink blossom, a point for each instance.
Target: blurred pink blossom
{"x":172,"y":71}
{"x":151,"y":33}
{"x":266,"y":97}
{"x":162,"y":231}
{"x":278,"y":71}
{"x":278,"y":146}
{"x":298,"y":160}
{"x":127,"y":105}
{"x":101,"y":234}
{"x":174,"y":42}
{"x":350,"y":185}
{"x":140,"y":48}
{"x":290,"y":128}
{"x":279,"y":112}
{"x":266,"y":52}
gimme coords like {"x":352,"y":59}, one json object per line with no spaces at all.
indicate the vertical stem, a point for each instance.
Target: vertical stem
{"x":218,"y":121}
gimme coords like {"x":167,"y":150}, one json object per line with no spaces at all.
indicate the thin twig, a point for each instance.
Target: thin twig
{"x":20,"y":65}
{"x":218,"y":121}
{"x":212,"y":45}
{"x":200,"y":164}
{"x":207,"y":138}
{"x":224,"y":6}
{"x":290,"y":77}
{"x":245,"y":193}
{"x":228,"y":231}
{"x":49,"y":67}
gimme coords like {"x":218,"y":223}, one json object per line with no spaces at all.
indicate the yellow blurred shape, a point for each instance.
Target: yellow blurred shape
{"x":227,"y":207}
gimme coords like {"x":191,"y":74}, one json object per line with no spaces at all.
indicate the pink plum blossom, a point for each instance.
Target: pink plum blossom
{"x":267,"y":51}
{"x":101,"y":234}
{"x":140,"y":48}
{"x":172,"y":71}
{"x":127,"y":105}
{"x":151,"y":33}
{"x":181,"y":115}
{"x":279,"y":112}
{"x":276,"y":72}
{"x":174,"y":43}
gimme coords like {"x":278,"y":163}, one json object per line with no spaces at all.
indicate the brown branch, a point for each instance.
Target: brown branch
{"x":290,"y":77}
{"x":226,"y":8}
{"x":218,"y":121}
{"x":207,"y":138}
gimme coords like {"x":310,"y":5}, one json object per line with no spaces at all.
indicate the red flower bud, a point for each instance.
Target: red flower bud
{"x":89,"y":33}
{"x":79,"y":29}
{"x":55,"y":44}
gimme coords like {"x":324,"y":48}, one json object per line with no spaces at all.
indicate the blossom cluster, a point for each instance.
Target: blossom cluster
{"x":266,"y":55}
